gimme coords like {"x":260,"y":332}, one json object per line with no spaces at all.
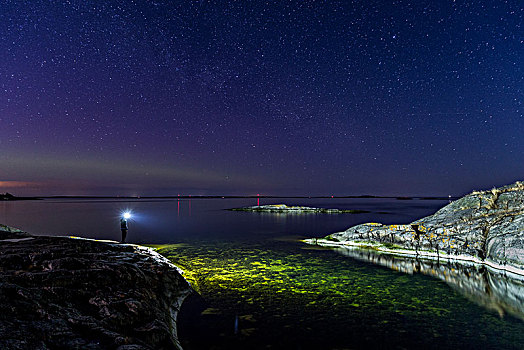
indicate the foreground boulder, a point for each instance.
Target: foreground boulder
{"x":485,"y":227}
{"x":65,"y":293}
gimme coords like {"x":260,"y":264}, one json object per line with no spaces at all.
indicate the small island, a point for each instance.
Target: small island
{"x":485,"y":227}
{"x":9,"y":197}
{"x":285,"y":209}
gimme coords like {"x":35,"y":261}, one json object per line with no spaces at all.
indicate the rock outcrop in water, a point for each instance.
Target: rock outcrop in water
{"x":6,"y":196}
{"x":9,"y":197}
{"x":283,"y":208}
{"x":66,"y":293}
{"x":485,"y":227}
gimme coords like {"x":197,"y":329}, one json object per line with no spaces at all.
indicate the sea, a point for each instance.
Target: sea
{"x":259,"y":286}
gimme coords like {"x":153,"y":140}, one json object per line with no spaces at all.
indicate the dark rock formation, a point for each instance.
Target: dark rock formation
{"x":6,"y":196}
{"x":485,"y":227}
{"x":9,"y":197}
{"x":66,"y":293}
{"x":282,"y":208}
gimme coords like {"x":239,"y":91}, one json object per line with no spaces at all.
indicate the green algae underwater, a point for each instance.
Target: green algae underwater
{"x":283,"y":294}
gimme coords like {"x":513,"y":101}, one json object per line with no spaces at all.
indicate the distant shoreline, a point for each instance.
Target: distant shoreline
{"x":234,"y":197}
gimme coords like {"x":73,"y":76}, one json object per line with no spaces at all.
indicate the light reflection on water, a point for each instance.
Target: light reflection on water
{"x":489,"y":288}
{"x":288,"y":296}
{"x":282,"y":293}
{"x":172,"y":221}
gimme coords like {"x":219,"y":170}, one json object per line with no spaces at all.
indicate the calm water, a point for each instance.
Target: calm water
{"x":261,"y":288}
{"x":175,"y":221}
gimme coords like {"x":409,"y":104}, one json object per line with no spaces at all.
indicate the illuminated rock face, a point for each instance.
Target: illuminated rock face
{"x":485,"y":226}
{"x":59,"y":292}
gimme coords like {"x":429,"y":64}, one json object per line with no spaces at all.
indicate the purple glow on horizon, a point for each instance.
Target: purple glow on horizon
{"x":286,"y":98}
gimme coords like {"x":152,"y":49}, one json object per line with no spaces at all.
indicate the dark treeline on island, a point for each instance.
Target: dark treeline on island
{"x":9,"y":197}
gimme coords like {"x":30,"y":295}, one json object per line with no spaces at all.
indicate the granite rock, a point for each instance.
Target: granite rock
{"x":484,"y":226}
{"x":67,"y":293}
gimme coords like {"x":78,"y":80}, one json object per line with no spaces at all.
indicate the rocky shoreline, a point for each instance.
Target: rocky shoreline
{"x":285,"y":209}
{"x":485,"y":227}
{"x":62,"y":292}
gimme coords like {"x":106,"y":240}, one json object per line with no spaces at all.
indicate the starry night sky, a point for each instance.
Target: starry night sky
{"x":272,"y":97}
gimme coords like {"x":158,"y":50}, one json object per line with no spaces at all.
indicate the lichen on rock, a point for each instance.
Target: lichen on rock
{"x":484,"y":226}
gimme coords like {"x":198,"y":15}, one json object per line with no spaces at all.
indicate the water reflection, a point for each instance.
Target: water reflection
{"x":490,"y":289}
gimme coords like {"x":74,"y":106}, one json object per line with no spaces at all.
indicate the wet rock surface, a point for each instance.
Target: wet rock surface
{"x":66,"y":293}
{"x":485,"y":226}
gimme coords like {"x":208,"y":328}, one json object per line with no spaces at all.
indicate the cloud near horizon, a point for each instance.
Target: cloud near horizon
{"x":18,"y":184}
{"x":69,"y":176}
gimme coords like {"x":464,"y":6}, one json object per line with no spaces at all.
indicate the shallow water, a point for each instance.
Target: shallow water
{"x":285,"y":296}
{"x":261,"y":288}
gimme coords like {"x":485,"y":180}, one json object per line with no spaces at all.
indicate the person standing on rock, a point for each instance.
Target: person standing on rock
{"x":123,"y":226}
